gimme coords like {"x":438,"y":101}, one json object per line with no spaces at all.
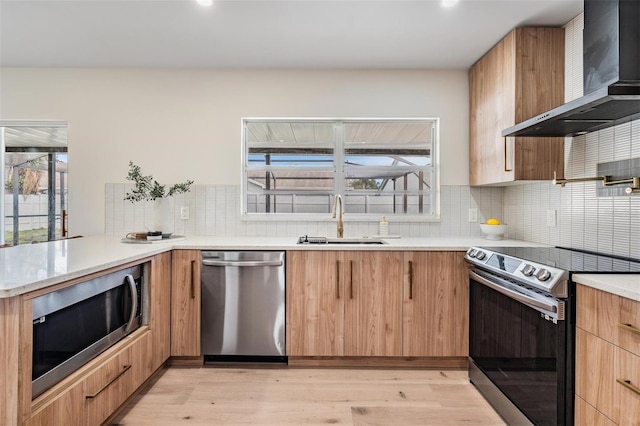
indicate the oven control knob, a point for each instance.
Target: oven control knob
{"x":480,"y":255}
{"x":528,"y":270}
{"x":543,"y":275}
{"x":472,"y":252}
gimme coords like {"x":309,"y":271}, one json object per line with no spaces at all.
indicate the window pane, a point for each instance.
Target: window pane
{"x":291,"y":132}
{"x":292,"y":180}
{"x":27,"y":196}
{"x":289,"y":203}
{"x":387,"y":167}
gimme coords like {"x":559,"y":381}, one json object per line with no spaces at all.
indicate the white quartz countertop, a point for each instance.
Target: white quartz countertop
{"x":625,"y":285}
{"x":32,"y":267}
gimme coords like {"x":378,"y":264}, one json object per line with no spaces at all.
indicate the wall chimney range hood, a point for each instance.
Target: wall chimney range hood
{"x":611,"y":74}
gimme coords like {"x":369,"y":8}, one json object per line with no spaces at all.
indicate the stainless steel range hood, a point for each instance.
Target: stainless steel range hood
{"x":611,"y":65}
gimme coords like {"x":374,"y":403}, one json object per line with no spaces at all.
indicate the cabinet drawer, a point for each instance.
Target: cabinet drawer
{"x":611,"y":317}
{"x":595,"y":371}
{"x":65,"y":409}
{"x":626,"y":388}
{"x":97,"y":394}
{"x":107,"y":388}
{"x":587,"y":415}
{"x":628,"y":332}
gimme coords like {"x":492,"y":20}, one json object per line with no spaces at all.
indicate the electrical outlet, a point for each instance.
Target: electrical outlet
{"x":551,"y":218}
{"x":473,"y":215}
{"x":184,"y":212}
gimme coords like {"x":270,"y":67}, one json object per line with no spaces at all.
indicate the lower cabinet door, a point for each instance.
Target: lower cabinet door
{"x":315,"y":303}
{"x":435,"y":305}
{"x":373,"y":303}
{"x":185,"y":303}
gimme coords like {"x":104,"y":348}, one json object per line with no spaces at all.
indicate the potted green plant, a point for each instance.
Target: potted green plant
{"x":146,"y":188}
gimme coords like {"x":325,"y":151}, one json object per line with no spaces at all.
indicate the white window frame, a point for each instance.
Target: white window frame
{"x":339,"y":183}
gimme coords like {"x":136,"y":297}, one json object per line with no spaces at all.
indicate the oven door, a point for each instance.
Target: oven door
{"x":518,"y":350}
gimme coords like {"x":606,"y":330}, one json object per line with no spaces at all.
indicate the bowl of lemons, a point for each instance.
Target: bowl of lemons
{"x":493,"y":229}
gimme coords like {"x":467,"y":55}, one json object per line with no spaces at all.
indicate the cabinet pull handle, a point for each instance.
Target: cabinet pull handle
{"x":337,"y":279}
{"x":629,"y":327}
{"x":193,"y":279}
{"x":63,"y":223}
{"x":505,"y":156}
{"x":102,"y":389}
{"x":410,"y":280}
{"x":627,"y":384}
{"x":351,"y":280}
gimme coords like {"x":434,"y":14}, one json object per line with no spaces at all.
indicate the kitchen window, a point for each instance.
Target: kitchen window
{"x":35,"y":181}
{"x":293,"y":167}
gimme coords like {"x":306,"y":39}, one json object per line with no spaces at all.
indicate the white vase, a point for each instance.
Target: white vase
{"x":163,"y":215}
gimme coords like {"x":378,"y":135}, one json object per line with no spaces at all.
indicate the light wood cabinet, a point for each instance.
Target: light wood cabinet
{"x":608,"y":354}
{"x":595,"y":365}
{"x":343,"y":303}
{"x":93,"y":399}
{"x":185,"y":303}
{"x":160,"y":311}
{"x":91,"y":394}
{"x":364,"y":304}
{"x":520,"y":77}
{"x":435,"y":305}
{"x":315,"y":303}
{"x":10,"y":357}
{"x":373,"y":303}
{"x":587,"y":415}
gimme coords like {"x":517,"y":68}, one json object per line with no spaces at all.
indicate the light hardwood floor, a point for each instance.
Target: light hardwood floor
{"x":307,"y":396}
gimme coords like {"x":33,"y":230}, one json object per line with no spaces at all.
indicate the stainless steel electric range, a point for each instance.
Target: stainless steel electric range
{"x":522,"y":327}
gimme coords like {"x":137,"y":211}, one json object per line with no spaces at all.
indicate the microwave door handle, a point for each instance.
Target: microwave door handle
{"x":533,"y":303}
{"x":134,"y":302}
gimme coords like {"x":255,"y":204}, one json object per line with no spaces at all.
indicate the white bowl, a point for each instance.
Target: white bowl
{"x":493,"y":232}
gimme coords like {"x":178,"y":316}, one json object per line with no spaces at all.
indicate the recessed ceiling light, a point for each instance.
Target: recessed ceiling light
{"x":205,"y":2}
{"x":449,"y":3}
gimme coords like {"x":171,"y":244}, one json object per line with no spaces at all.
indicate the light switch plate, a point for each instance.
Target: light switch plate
{"x":551,"y":218}
{"x":184,"y":212}
{"x":473,"y":215}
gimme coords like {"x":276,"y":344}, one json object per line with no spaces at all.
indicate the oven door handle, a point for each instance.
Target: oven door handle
{"x":134,"y":302}
{"x":533,"y":303}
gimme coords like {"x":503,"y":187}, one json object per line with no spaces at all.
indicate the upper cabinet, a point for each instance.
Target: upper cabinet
{"x":520,"y":77}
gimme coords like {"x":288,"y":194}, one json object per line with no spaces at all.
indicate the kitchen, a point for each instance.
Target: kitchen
{"x":111,"y":110}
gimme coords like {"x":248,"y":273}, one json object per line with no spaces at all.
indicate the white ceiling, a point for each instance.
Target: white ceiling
{"x":263,"y":33}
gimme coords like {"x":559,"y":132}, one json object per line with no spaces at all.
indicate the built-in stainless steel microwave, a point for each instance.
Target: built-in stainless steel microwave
{"x":73,"y":325}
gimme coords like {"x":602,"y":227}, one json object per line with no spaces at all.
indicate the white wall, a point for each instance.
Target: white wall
{"x":185,"y":124}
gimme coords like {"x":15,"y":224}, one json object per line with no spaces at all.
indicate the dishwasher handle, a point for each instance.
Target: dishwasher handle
{"x":242,"y":263}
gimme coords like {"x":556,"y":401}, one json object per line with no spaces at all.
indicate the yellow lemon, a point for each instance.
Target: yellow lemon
{"x":493,"y":221}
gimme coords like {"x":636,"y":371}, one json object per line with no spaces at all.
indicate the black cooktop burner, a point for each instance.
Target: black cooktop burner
{"x":573,"y":260}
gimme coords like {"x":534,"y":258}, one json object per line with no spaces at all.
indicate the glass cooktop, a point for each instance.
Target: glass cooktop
{"x":572,"y":260}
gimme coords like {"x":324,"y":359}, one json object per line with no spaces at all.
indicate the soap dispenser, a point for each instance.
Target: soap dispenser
{"x":383,"y":227}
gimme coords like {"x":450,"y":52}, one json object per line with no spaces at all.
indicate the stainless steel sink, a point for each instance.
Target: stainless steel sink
{"x":328,"y":240}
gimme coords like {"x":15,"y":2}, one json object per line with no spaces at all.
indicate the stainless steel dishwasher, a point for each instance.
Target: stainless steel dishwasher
{"x":243,"y":300}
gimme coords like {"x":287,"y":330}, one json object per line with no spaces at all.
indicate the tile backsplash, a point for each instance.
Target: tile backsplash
{"x":585,"y":221}
{"x":603,"y":224}
{"x":215,"y":211}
